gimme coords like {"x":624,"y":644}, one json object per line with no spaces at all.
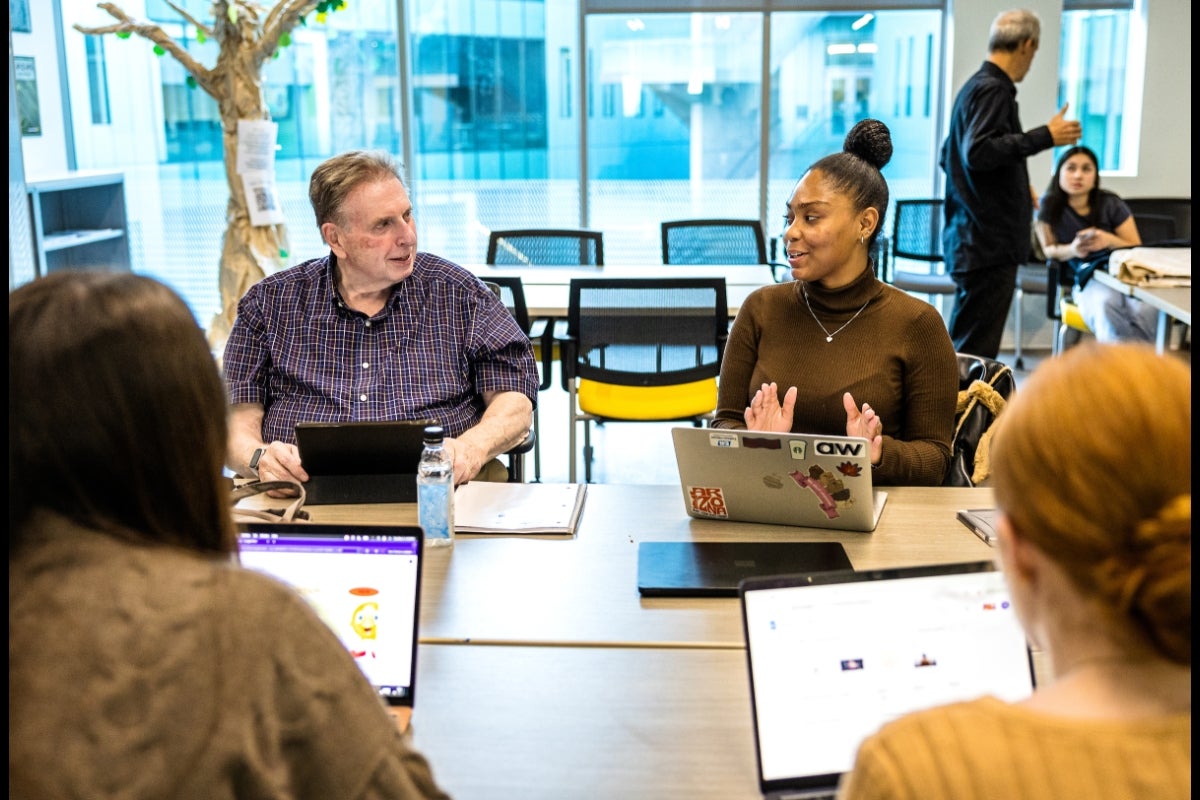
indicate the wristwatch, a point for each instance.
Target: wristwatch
{"x":255,"y":458}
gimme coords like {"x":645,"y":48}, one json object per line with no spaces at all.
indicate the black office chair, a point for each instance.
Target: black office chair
{"x":1032,"y":278}
{"x":917,"y":236}
{"x":984,"y":388}
{"x":1148,"y":212}
{"x":511,"y":292}
{"x":715,"y":241}
{"x":547,"y":247}
{"x":641,"y":350}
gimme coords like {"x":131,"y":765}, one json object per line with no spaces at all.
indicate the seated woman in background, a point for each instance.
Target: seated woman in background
{"x":837,"y":335}
{"x":1095,"y":539}
{"x":143,"y":662}
{"x":1081,"y":224}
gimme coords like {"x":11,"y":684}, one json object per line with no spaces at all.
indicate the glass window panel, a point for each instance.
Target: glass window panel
{"x":697,"y":153}
{"x":1093,"y":72}
{"x":830,"y":70}
{"x":495,"y":136}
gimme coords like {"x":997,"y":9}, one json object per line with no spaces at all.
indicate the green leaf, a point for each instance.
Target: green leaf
{"x":158,"y":50}
{"x":282,"y":253}
{"x":304,"y":21}
{"x":200,"y":36}
{"x":191,"y":82}
{"x":275,"y":55}
{"x":285,"y":39}
{"x":231,"y":12}
{"x":123,"y":34}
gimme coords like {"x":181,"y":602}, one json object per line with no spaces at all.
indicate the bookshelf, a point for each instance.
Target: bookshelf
{"x":79,"y":221}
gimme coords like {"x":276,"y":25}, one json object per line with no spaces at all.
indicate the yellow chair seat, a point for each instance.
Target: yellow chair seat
{"x":648,"y":402}
{"x":1071,"y":316}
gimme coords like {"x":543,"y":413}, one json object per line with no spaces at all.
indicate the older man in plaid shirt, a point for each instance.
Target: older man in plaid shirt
{"x":374,"y":331}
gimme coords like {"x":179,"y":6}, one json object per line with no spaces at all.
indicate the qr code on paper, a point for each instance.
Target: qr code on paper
{"x":263,"y":199}
{"x":709,"y":501}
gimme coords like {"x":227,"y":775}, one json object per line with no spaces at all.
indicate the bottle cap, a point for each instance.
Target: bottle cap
{"x":434,"y":433}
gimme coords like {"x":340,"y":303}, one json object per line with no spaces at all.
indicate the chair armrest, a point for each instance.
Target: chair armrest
{"x":525,"y":445}
{"x":542,"y":332}
{"x":568,"y":349}
{"x":1058,"y":275}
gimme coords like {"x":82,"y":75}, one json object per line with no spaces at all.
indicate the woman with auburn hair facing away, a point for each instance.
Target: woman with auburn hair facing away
{"x":1095,"y":539}
{"x":837,"y":351}
{"x":144,"y":663}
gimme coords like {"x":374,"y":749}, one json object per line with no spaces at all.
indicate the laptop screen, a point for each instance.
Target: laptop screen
{"x":835,"y":655}
{"x":362,"y":580}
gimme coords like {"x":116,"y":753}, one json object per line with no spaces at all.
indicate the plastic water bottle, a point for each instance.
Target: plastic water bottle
{"x":435,"y":490}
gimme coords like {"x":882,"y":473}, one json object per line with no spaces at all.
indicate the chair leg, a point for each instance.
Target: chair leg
{"x":572,"y":421}
{"x":587,"y":451}
{"x":1018,"y":296}
{"x":537,"y":449}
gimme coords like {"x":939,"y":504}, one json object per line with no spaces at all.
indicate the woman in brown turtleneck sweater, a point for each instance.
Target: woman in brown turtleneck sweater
{"x":854,"y":356}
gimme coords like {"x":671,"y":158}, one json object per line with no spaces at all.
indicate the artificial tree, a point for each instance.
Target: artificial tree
{"x":247,"y":35}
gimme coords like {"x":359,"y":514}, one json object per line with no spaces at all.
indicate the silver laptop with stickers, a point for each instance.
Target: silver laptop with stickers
{"x":779,"y":478}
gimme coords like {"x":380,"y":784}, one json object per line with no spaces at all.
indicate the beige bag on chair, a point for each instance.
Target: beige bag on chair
{"x":293,"y":512}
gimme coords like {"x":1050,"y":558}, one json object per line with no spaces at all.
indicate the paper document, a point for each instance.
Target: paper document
{"x":481,"y":507}
{"x":1152,"y":266}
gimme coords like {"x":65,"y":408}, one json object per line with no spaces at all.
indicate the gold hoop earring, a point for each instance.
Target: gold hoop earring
{"x":862,"y":240}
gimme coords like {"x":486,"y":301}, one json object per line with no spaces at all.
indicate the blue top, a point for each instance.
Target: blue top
{"x":440,"y":342}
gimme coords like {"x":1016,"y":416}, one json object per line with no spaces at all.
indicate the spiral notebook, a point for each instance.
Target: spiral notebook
{"x":549,"y":508}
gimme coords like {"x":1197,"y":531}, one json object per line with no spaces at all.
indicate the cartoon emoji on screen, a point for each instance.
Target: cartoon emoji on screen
{"x":364,"y":621}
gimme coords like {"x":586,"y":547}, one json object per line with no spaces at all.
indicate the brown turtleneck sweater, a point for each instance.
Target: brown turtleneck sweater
{"x":895,"y":355}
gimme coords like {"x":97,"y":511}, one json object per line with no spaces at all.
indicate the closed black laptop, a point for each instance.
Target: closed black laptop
{"x":714,"y":569}
{"x":361,"y":462}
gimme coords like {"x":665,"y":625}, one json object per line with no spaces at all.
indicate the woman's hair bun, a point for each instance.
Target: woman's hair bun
{"x":871,"y":141}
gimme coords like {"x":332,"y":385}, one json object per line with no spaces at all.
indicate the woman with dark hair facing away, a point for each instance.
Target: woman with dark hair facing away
{"x":1081,"y":224}
{"x":1095,"y":540}
{"x":143,"y":662}
{"x":837,"y":351}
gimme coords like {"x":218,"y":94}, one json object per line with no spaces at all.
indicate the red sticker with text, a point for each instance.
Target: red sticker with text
{"x":708,"y":501}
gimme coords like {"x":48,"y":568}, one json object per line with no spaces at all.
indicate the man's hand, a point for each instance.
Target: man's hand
{"x":468,"y":459}
{"x":1064,"y":131}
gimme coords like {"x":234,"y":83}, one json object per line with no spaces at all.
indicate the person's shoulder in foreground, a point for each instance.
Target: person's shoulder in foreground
{"x":1094,"y":537}
{"x":144,"y":663}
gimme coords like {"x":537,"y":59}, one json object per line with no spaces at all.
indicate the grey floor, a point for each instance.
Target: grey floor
{"x":638,"y":452}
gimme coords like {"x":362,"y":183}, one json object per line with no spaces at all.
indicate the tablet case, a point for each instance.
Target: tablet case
{"x":349,"y":463}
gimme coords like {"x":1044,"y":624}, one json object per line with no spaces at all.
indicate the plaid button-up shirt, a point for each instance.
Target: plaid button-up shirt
{"x":442,"y":340}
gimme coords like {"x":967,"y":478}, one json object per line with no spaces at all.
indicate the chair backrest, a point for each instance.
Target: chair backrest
{"x":1178,"y":208}
{"x":1154,"y":228}
{"x":547,"y":247}
{"x":984,"y":387}
{"x":917,"y":230}
{"x":645,"y":331}
{"x":713,"y":241}
{"x":511,"y":292}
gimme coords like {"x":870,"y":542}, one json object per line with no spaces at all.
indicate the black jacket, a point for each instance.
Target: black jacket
{"x":988,"y":207}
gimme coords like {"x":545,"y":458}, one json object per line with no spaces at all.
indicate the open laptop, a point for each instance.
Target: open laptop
{"x":835,"y":655}
{"x":714,"y":569}
{"x":361,"y":462}
{"x":364,"y":581}
{"x":779,"y":478}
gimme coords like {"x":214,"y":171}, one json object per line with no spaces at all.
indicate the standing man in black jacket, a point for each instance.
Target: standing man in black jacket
{"x":989,"y":200}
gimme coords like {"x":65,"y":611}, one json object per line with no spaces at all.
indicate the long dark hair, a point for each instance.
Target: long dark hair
{"x":116,"y":412}
{"x":1056,"y":199}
